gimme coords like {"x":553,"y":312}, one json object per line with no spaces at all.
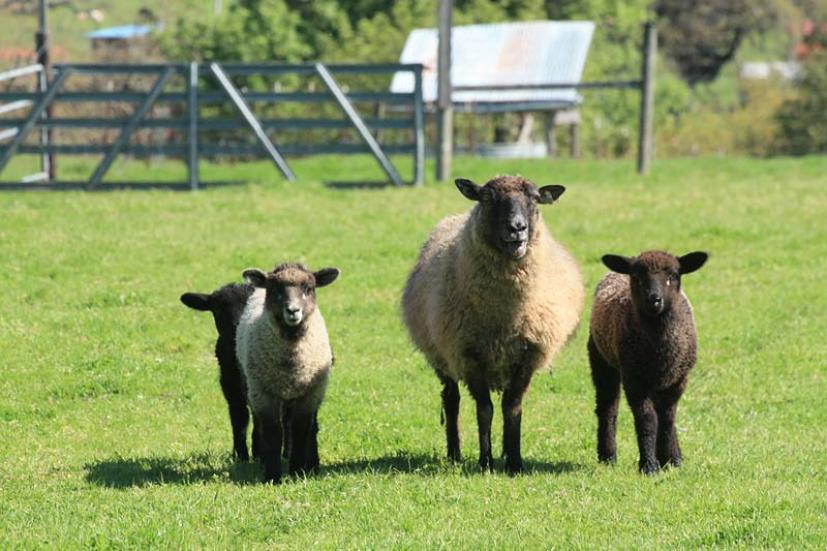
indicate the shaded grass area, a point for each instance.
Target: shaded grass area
{"x":113,"y":431}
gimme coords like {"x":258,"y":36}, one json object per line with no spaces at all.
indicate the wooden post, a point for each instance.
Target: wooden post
{"x":419,"y":129}
{"x":574,"y":137}
{"x":445,"y":110}
{"x":41,"y":39}
{"x":192,"y":128}
{"x":551,"y":134}
{"x":647,"y":98}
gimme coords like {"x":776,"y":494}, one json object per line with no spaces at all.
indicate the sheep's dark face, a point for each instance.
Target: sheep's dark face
{"x":655,"y":277}
{"x":509,"y":211}
{"x":291,"y":291}
{"x":226,"y":305}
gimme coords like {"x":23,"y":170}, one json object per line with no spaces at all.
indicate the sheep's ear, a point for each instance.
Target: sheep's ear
{"x":196,"y":301}
{"x":255,"y":277}
{"x":549,"y":194}
{"x":326,"y":276}
{"x":469,"y":189}
{"x":692,"y":261}
{"x":617,"y":263}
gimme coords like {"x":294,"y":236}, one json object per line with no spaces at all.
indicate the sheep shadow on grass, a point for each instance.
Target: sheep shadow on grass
{"x":139,"y":472}
{"x":433,"y":465}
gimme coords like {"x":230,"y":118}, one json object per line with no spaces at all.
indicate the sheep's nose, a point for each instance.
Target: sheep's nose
{"x":293,"y":309}
{"x":655,"y":300}
{"x":517,"y":225}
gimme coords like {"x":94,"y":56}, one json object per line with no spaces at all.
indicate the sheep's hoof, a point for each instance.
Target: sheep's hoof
{"x":454,"y":456}
{"x":607,"y":459}
{"x":673,"y":462}
{"x":487,"y":463}
{"x":514,"y":467}
{"x":272,"y":480}
{"x":649,"y":467}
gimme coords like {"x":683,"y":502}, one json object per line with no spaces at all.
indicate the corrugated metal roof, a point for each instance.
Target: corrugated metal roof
{"x":532,"y":52}
{"x":120,"y":33}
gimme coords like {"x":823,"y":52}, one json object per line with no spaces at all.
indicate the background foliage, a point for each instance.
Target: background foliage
{"x":702,"y":105}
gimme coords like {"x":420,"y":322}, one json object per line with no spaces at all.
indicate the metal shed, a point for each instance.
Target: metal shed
{"x":499,"y":54}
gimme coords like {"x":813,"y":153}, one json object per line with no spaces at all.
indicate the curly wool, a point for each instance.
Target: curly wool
{"x":462,"y":294}
{"x":277,"y":369}
{"x":620,"y":337}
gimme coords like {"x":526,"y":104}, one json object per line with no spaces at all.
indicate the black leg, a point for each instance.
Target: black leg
{"x":302,"y":425}
{"x":286,"y":419}
{"x":606,"y":381}
{"x":233,"y":389}
{"x":485,"y":413}
{"x":512,"y":405}
{"x":450,"y":406}
{"x":239,"y":418}
{"x":312,"y":463}
{"x":666,"y":406}
{"x":646,"y":427}
{"x":256,"y":440}
{"x":271,"y":433}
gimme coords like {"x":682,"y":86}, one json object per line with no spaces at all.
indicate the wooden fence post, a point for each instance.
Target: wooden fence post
{"x":48,"y":162}
{"x":192,"y":128}
{"x":647,"y":98}
{"x":445,"y":109}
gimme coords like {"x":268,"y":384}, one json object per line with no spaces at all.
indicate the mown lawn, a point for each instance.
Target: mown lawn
{"x":114,"y":433}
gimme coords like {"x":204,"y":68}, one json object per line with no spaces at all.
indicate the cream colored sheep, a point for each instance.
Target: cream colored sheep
{"x":285,"y":356}
{"x":491,"y":300}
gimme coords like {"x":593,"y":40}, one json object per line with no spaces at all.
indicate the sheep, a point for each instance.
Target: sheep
{"x":642,"y":335}
{"x":285,"y":356}
{"x":226,"y":305}
{"x":491,"y":300}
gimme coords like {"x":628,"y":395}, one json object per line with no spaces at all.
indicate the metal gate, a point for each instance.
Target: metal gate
{"x":199,"y":89}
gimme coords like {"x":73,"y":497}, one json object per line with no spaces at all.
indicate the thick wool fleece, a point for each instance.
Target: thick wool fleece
{"x":625,"y":340}
{"x":278,"y":369}
{"x":462,"y":295}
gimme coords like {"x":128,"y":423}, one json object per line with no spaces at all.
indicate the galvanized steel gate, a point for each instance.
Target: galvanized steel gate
{"x":191,"y":121}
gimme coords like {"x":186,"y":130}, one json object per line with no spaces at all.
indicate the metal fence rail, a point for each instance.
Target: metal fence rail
{"x":206,"y":88}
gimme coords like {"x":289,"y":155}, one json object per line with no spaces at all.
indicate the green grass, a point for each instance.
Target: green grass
{"x":113,"y":431}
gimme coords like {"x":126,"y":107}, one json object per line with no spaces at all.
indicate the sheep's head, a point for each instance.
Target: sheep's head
{"x":226,"y":305}
{"x":291,"y":291}
{"x":655,"y":277}
{"x":508,"y":209}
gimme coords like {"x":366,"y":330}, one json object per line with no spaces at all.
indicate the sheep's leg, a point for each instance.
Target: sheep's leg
{"x":606,"y":381}
{"x":302,"y":428}
{"x":485,"y":413}
{"x":450,"y":406}
{"x":240,"y":418}
{"x":646,"y":427}
{"x":512,"y":405}
{"x":666,"y":406}
{"x":269,"y":421}
{"x":256,"y":440}
{"x":235,"y":394}
{"x":312,"y":462}
{"x":287,"y":416}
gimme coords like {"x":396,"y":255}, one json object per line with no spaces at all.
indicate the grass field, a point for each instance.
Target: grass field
{"x":113,"y":431}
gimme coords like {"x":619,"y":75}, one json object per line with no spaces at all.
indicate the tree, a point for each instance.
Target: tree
{"x":251,"y":30}
{"x":701,"y":36}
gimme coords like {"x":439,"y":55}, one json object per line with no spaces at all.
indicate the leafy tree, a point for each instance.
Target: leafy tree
{"x":701,"y":36}
{"x":803,"y":120}
{"x":251,"y":30}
